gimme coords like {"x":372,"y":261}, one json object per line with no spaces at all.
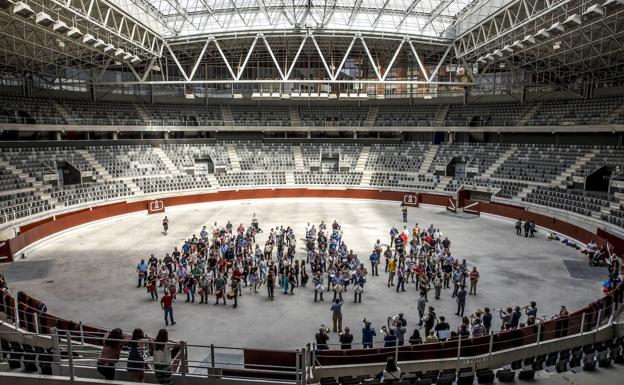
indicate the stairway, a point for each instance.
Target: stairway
{"x":438,"y":120}
{"x":299,"y":165}
{"x":619,"y":111}
{"x":529,"y":114}
{"x":366,"y":178}
{"x":234,"y":161}
{"x":227,"y":115}
{"x":490,"y":171}
{"x":21,"y":173}
{"x":428,"y":159}
{"x":171,"y":167}
{"x":371,"y":116}
{"x":522,"y":194}
{"x":290,"y":178}
{"x":360,"y":165}
{"x":294,"y":116}
{"x":212,"y":179}
{"x":560,"y":180}
{"x":62,"y":111}
{"x":99,"y":168}
{"x":144,"y":115}
{"x":134,"y":188}
{"x":444,"y":181}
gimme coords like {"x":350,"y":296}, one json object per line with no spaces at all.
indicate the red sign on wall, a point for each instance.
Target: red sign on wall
{"x":155,"y":206}
{"x":410,"y":200}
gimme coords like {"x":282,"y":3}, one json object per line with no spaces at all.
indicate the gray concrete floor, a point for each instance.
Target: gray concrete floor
{"x":89,"y":272}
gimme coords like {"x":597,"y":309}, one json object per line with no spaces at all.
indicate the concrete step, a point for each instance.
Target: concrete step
{"x":444,"y":181}
{"x":360,"y":165}
{"x":290,"y":178}
{"x":440,"y":116}
{"x":366,"y":178}
{"x":294,"y":116}
{"x":428,"y":159}
{"x":234,"y":160}
{"x":371,"y":116}
{"x":212,"y":179}
{"x":171,"y":167}
{"x":227,"y":115}
{"x":95,"y":164}
{"x":492,"y":169}
{"x":298,"y":156}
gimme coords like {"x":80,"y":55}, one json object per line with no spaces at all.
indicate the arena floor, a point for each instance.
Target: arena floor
{"x":88,"y":273}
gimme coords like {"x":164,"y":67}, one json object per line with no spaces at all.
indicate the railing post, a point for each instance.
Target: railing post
{"x":70,"y":356}
{"x":491,"y":344}
{"x":459,"y":347}
{"x":16,"y":318}
{"x":36,"y":321}
{"x":612,"y":317}
{"x":396,"y":351}
{"x":183,"y":361}
{"x":81,"y":333}
{"x":583,"y":323}
{"x":297,"y":366}
{"x":56,"y":352}
{"x":212,"y":357}
{"x":539,"y":332}
{"x":598,"y":319}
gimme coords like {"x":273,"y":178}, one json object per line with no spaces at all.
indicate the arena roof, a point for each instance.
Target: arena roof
{"x":178,"y":18}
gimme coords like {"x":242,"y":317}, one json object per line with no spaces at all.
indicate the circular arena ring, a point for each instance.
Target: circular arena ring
{"x":82,"y":265}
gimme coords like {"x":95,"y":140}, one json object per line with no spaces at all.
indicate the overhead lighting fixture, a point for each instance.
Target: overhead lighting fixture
{"x":542,"y":34}
{"x":156,"y":68}
{"x":498,"y":53}
{"x":255,"y":95}
{"x":573,"y":21}
{"x":119,"y":52}
{"x":135,"y":59}
{"x":44,"y":19}
{"x":490,"y":57}
{"x":74,"y":33}
{"x":89,"y":39}
{"x":593,"y":12}
{"x":528,"y":40}
{"x":5,"y":4}
{"x":518,"y":44}
{"x":108,"y":47}
{"x":22,"y":9}
{"x":295,"y":95}
{"x":613,"y":3}
{"x":127,"y":56}
{"x":98,"y":43}
{"x":557,"y":45}
{"x":507,"y":49}
{"x":556,"y":28}
{"x":481,"y":60}
{"x":60,"y":27}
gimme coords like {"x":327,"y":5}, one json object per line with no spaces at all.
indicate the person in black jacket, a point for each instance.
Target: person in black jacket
{"x":346,"y":339}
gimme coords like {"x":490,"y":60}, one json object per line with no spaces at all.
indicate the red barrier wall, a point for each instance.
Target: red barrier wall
{"x":36,"y":231}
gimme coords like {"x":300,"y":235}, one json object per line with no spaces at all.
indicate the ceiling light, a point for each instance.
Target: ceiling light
{"x":89,"y":39}
{"x":108,"y":47}
{"x":127,"y":56}
{"x":119,"y":52}
{"x":542,"y":34}
{"x":556,"y":28}
{"x":518,"y":44}
{"x":60,"y":27}
{"x":44,"y":19}
{"x":22,"y":9}
{"x":594,"y":11}
{"x":135,"y":59}
{"x":613,"y":3}
{"x":508,"y":49}
{"x":98,"y":43}
{"x":498,"y":53}
{"x":74,"y":33}
{"x":528,"y":40}
{"x":573,"y":21}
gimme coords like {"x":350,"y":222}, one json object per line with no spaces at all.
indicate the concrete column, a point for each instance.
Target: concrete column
{"x":115,"y":135}
{"x":59,"y":135}
{"x":166,"y":135}
{"x":354,"y":134}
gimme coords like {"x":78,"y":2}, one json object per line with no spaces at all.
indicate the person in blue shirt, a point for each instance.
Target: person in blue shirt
{"x":142,"y":273}
{"x":393,"y":234}
{"x":374,"y":260}
{"x":390,"y":339}
{"x":368,"y":333}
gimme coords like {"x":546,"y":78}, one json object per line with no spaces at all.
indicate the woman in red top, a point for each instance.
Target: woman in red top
{"x":474,"y":278}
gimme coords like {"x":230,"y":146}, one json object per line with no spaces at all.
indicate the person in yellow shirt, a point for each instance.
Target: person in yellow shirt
{"x":392,"y":264}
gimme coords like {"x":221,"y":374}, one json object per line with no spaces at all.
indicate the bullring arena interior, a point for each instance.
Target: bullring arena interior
{"x":311,"y":192}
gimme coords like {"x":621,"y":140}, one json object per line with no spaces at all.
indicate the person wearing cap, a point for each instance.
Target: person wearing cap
{"x":346,"y":339}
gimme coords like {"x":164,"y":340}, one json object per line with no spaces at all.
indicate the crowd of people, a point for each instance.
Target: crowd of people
{"x":224,"y":261}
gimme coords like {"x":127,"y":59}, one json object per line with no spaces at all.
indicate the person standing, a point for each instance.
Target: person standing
{"x":486,"y":319}
{"x":374,"y":261}
{"x":162,"y":358}
{"x":527,"y":228}
{"x":404,"y":211}
{"x":136,"y":356}
{"x":234,"y":290}
{"x":336,"y":309}
{"x":220,"y":289}
{"x":165,"y":225}
{"x":519,"y":227}
{"x":437,"y":285}
{"x":318,"y":286}
{"x":110,"y":354}
{"x":400,"y":273}
{"x":368,"y":333}
{"x":461,"y":301}
{"x":474,"y":278}
{"x":166,"y":302}
{"x":391,"y":271}
{"x":270,"y":283}
{"x":142,"y":273}
{"x":532,"y":229}
{"x":321,"y":339}
{"x":421,"y":306}
{"x":346,"y":339}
